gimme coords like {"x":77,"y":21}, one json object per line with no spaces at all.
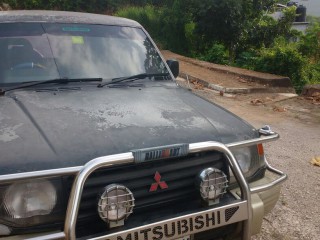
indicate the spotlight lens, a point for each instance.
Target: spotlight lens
{"x":116,"y":203}
{"x":213,"y":184}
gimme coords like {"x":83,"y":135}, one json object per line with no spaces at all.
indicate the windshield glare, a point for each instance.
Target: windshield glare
{"x":43,"y":51}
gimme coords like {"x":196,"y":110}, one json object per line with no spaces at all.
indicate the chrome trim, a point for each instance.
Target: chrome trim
{"x":240,"y":215}
{"x":75,"y":170}
{"x":235,"y":167}
{"x":247,"y":143}
{"x":53,"y":236}
{"x":38,"y":174}
{"x":281,"y":179}
{"x":84,"y":171}
{"x":76,"y":191}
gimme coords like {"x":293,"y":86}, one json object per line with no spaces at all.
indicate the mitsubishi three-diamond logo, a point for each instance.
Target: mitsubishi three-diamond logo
{"x":154,"y":186}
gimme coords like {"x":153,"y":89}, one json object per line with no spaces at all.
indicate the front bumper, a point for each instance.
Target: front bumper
{"x":253,"y":202}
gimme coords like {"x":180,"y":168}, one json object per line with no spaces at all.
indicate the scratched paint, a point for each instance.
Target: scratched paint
{"x":120,"y":113}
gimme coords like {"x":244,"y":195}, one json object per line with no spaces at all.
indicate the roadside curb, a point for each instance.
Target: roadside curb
{"x":220,"y":88}
{"x":274,"y":81}
{"x":270,"y":80}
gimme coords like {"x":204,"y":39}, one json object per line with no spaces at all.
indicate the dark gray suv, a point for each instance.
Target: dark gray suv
{"x":98,"y":141}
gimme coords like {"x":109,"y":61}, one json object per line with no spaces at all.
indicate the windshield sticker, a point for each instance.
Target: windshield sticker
{"x":75,"y":29}
{"x":77,"y":40}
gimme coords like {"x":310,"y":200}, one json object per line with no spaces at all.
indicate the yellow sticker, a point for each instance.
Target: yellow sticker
{"x":77,"y":40}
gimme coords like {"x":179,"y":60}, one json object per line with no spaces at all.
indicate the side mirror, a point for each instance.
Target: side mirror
{"x":174,"y":67}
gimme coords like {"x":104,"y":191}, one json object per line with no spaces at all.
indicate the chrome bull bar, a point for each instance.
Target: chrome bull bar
{"x":83,"y":172}
{"x":77,"y":188}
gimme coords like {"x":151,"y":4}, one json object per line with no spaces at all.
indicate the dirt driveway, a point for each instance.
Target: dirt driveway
{"x":297,"y":120}
{"x":296,"y":215}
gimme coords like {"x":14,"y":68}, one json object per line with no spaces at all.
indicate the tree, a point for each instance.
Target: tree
{"x":263,"y":30}
{"x":219,"y":21}
{"x":237,"y":23}
{"x":175,"y":17}
{"x":310,"y":43}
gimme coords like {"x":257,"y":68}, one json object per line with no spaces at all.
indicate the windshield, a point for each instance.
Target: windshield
{"x":43,"y":51}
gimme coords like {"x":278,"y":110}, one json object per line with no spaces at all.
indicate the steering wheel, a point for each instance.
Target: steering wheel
{"x":27,"y":65}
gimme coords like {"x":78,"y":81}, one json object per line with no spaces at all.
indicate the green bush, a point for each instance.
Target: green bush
{"x":283,"y":59}
{"x":191,"y":38}
{"x":176,"y":26}
{"x":311,"y":73}
{"x":216,"y":54}
{"x":309,"y":44}
{"x":168,"y":25}
{"x":247,"y":60}
{"x":148,"y":16}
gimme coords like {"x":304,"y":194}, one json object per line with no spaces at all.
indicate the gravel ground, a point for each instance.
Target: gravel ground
{"x":296,"y":215}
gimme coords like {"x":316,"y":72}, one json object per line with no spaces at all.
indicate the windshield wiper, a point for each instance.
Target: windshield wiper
{"x":58,"y":80}
{"x":133,"y":78}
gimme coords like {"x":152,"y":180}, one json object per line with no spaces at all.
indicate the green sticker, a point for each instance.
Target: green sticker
{"x":77,"y":40}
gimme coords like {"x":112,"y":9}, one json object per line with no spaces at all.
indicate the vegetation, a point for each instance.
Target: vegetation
{"x":284,"y":59}
{"x":236,"y":32}
{"x":167,"y":25}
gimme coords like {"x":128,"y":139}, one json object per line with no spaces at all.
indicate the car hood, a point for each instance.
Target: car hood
{"x":54,"y":129}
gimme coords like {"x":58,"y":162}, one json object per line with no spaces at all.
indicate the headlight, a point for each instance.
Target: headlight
{"x":4,"y":230}
{"x":31,"y":198}
{"x":250,"y":159}
{"x":243,"y":156}
{"x":26,"y":204}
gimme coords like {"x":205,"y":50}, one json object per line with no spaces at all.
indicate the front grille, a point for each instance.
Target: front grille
{"x":181,"y":196}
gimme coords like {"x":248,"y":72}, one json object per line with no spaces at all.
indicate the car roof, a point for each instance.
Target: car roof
{"x":63,"y":17}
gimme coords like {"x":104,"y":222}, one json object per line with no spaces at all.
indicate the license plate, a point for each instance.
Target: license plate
{"x":184,"y":238}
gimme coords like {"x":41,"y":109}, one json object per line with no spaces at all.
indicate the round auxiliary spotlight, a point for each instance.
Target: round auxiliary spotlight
{"x":115,"y":204}
{"x":213,"y":184}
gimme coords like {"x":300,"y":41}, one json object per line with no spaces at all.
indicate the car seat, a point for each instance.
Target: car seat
{"x":20,"y":51}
